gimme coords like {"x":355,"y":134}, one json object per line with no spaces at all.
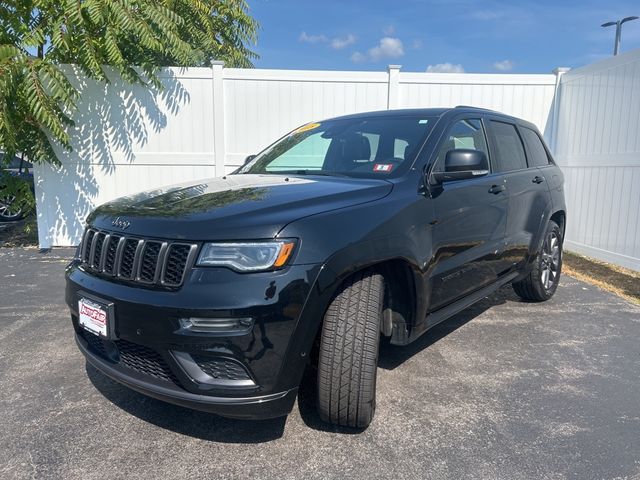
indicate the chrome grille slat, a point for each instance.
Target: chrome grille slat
{"x":162,"y":258}
{"x":86,"y":244}
{"x":103,"y":251}
{"x":140,"y":260}
{"x":119,"y":250}
{"x":137,"y":259}
{"x":92,"y":237}
{"x":96,"y":250}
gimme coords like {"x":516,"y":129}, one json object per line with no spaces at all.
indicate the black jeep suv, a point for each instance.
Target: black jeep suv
{"x":217,"y":294}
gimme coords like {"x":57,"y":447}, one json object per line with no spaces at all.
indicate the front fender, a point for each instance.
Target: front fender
{"x":341,"y":265}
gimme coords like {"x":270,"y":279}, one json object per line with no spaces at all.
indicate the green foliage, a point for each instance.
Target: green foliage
{"x":135,"y":37}
{"x":15,"y":186}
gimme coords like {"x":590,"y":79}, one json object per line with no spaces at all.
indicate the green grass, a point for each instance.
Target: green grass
{"x":619,"y":280}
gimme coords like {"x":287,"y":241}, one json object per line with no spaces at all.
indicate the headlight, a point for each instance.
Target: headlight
{"x":246,"y":256}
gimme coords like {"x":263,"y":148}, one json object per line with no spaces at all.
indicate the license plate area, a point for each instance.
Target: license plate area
{"x":96,"y":315}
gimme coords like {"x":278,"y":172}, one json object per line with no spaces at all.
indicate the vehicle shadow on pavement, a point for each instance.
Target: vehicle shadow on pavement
{"x":208,"y":426}
{"x":392,"y":356}
{"x":202,"y":425}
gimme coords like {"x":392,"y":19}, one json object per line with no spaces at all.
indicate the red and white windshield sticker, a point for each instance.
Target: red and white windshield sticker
{"x":382,"y":167}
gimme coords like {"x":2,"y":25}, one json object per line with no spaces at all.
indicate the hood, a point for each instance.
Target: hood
{"x":233,"y":207}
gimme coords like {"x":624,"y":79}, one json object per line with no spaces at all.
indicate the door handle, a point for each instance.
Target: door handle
{"x":538,"y":179}
{"x":495,"y":189}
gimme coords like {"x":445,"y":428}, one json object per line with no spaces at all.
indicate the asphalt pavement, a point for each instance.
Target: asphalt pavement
{"x":504,"y":390}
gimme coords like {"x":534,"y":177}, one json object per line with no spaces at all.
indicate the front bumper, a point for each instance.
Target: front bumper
{"x":255,"y":375}
{"x":257,"y":407}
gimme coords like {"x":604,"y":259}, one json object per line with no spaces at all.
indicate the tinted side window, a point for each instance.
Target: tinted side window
{"x":537,"y":153}
{"x":468,"y":134}
{"x":509,"y":150}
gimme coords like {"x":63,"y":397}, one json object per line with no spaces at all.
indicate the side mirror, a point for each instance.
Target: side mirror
{"x":248,"y":159}
{"x":461,"y":164}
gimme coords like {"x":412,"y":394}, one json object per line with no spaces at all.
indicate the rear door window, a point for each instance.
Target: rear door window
{"x":537,"y":153}
{"x":509,"y":151}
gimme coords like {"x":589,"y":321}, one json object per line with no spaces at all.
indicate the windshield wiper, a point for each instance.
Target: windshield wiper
{"x":308,"y":171}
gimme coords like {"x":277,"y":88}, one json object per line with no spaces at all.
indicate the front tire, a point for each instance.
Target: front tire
{"x":542,"y":281}
{"x":348,"y":358}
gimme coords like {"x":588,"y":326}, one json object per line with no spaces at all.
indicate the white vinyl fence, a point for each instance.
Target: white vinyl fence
{"x":207,"y":120}
{"x":597,"y":144}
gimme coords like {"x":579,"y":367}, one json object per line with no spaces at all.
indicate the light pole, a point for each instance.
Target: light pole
{"x":618,"y":25}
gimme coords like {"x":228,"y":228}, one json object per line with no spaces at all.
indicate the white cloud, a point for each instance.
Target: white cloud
{"x":388,"y":47}
{"x":389,"y":30}
{"x":445,"y":68}
{"x":504,"y":65}
{"x":311,"y":38}
{"x":358,"y":57}
{"x":338,"y":43}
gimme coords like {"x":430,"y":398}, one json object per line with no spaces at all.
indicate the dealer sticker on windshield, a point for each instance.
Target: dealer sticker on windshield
{"x":93,"y":317}
{"x":382,"y":167}
{"x":307,"y":127}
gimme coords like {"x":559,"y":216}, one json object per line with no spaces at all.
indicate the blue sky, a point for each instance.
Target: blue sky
{"x":439,"y":35}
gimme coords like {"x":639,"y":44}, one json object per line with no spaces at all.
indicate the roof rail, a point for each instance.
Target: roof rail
{"x":470,"y":106}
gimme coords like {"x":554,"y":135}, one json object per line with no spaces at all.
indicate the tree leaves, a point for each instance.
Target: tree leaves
{"x":16,"y":186}
{"x":134,"y":37}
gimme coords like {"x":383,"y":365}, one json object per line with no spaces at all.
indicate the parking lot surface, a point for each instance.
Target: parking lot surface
{"x":503,"y":390}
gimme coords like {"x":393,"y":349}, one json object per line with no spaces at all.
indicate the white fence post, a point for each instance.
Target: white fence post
{"x":393,"y":95}
{"x":218,"y":117}
{"x":558,"y":72}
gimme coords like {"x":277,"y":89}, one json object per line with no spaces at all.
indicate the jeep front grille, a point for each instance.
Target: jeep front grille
{"x":145,"y":261}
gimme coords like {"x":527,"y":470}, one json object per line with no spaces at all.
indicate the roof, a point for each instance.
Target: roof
{"x":427,"y":112}
{"x":435,"y":112}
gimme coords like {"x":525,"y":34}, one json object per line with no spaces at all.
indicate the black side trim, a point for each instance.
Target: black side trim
{"x":401,"y":335}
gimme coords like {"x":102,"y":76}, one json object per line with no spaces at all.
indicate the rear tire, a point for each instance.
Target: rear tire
{"x":541,"y":283}
{"x":348,"y":358}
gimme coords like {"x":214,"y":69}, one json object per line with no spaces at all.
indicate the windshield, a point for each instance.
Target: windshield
{"x":373,"y":146}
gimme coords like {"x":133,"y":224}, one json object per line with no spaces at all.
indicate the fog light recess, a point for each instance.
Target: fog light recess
{"x":217,"y":326}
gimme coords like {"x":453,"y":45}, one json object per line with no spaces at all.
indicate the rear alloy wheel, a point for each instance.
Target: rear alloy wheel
{"x":9,"y":210}
{"x":550,"y":261}
{"x":542,"y":281}
{"x":348,"y":358}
